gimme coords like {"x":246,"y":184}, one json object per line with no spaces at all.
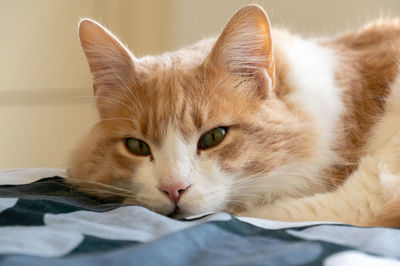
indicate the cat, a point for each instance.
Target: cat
{"x":258,"y":122}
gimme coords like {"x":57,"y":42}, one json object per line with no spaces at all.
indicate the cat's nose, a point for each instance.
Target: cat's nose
{"x":174,"y":191}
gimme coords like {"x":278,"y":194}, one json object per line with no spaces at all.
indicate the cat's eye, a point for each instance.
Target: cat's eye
{"x":137,"y":146}
{"x":212,"y":137}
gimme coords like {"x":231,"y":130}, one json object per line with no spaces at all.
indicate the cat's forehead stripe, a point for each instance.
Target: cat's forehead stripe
{"x":170,"y":98}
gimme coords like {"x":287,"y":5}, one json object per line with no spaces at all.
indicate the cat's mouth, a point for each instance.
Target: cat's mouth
{"x":176,"y":213}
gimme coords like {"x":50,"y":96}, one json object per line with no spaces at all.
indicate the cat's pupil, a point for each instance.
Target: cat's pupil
{"x":138,"y":147}
{"x":212,"y":138}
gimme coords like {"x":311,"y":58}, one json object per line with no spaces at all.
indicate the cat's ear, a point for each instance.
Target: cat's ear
{"x":244,"y":48}
{"x":110,"y":62}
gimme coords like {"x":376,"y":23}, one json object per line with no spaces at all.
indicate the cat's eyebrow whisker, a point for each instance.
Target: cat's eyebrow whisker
{"x":130,"y":91}
{"x":74,"y":98}
{"x":116,"y":101}
{"x":97,"y":97}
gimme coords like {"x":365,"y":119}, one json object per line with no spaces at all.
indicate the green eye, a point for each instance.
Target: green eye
{"x":138,"y":146}
{"x":212,"y":137}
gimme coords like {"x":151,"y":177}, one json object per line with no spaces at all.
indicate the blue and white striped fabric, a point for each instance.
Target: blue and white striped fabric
{"x":47,"y":223}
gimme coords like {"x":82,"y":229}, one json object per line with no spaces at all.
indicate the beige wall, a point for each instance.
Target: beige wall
{"x":42,"y":69}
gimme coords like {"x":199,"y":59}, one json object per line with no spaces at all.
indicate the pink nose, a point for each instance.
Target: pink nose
{"x":174,"y":191}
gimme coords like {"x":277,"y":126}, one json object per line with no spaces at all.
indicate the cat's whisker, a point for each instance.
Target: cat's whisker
{"x":105,"y":192}
{"x":261,"y":185}
{"x":260,"y":191}
{"x":111,"y":189}
{"x":77,"y":180}
{"x":235,"y":197}
{"x":229,"y":205}
{"x":88,"y":190}
{"x":262,"y":194}
{"x":272,"y":177}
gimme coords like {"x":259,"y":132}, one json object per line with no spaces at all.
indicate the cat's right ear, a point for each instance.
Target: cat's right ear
{"x":110,"y":62}
{"x":244,"y":49}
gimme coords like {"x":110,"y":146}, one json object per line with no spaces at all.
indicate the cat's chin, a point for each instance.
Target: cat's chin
{"x":178,"y":214}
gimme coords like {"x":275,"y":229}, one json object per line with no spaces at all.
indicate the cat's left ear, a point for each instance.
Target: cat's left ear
{"x":244,"y":48}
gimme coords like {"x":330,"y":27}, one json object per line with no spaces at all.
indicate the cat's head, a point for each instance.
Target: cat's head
{"x":203,"y":129}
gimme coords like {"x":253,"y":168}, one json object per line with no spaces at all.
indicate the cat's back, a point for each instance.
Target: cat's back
{"x":370,"y":54}
{"x":368,"y":66}
{"x":375,"y":33}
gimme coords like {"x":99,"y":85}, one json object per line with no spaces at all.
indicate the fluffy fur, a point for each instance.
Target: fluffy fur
{"x":302,"y":115}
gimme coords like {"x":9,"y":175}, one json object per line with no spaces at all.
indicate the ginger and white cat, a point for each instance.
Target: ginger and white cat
{"x":259,"y":122}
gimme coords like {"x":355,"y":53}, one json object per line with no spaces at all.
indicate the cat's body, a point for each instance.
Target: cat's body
{"x":289,"y":118}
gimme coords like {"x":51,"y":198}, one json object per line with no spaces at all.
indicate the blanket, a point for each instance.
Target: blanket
{"x":48,"y":222}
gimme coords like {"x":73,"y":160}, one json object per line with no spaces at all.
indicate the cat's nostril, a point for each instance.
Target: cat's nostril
{"x":174,"y":191}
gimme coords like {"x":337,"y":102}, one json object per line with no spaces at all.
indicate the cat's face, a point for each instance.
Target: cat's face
{"x":194,"y":131}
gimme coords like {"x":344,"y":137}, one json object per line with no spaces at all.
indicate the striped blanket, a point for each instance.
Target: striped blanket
{"x":44,"y":221}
